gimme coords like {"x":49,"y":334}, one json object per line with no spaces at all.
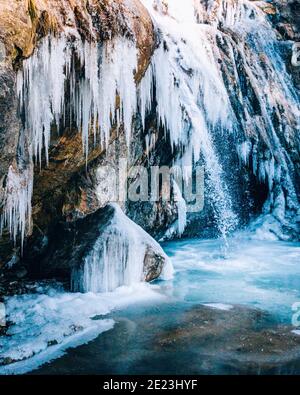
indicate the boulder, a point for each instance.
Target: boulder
{"x":101,"y":252}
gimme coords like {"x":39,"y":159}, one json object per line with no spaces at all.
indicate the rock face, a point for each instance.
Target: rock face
{"x":58,"y":189}
{"x":288,"y":25}
{"x":226,"y":99}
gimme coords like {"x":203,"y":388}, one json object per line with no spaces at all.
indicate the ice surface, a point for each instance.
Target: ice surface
{"x":43,"y":325}
{"x":254,"y":273}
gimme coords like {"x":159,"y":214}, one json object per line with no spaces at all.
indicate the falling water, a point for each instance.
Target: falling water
{"x":210,"y":53}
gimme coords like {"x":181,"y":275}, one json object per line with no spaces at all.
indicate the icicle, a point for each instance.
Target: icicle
{"x":146,"y":94}
{"x":244,"y":151}
{"x":41,"y":89}
{"x":108,"y":71}
{"x":17,"y":202}
{"x":150,"y":141}
{"x":181,"y":207}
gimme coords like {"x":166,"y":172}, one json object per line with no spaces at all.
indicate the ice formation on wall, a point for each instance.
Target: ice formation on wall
{"x":181,"y":207}
{"x":50,"y":74}
{"x":106,"y":71}
{"x":117,"y":257}
{"x":178,"y":227}
{"x":17,"y":202}
{"x":219,"y":71}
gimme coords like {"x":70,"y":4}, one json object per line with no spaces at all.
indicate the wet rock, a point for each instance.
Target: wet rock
{"x":154,"y":262}
{"x":21,"y":272}
{"x":22,"y":25}
{"x":242,"y":339}
{"x":268,"y":8}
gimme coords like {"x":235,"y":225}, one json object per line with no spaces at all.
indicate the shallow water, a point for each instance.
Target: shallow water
{"x":231,"y":284}
{"x":261,"y":274}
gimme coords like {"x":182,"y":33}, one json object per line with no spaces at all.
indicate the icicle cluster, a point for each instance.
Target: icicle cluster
{"x":54,"y":91}
{"x":17,"y":202}
{"x":107,"y":72}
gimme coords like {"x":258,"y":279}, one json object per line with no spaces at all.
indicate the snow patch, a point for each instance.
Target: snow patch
{"x":44,"y":325}
{"x":219,"y":306}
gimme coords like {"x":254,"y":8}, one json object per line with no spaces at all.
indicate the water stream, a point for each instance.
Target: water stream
{"x":255,"y":285}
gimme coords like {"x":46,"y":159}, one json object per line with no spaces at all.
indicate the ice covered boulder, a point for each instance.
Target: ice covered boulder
{"x":122,"y":254}
{"x":103,"y":251}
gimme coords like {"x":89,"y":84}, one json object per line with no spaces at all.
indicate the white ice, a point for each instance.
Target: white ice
{"x":117,"y":257}
{"x":44,"y":325}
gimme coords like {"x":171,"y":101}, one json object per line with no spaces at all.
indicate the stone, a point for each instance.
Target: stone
{"x":71,"y":242}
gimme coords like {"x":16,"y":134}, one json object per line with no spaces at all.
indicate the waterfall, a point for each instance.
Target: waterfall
{"x":219,"y":72}
{"x":191,"y":97}
{"x":218,"y":75}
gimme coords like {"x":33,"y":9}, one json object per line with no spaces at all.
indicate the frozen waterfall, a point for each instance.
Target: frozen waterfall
{"x":218,"y":71}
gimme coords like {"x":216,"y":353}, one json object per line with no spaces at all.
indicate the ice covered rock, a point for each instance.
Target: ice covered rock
{"x":123,"y":254}
{"x":103,"y":251}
